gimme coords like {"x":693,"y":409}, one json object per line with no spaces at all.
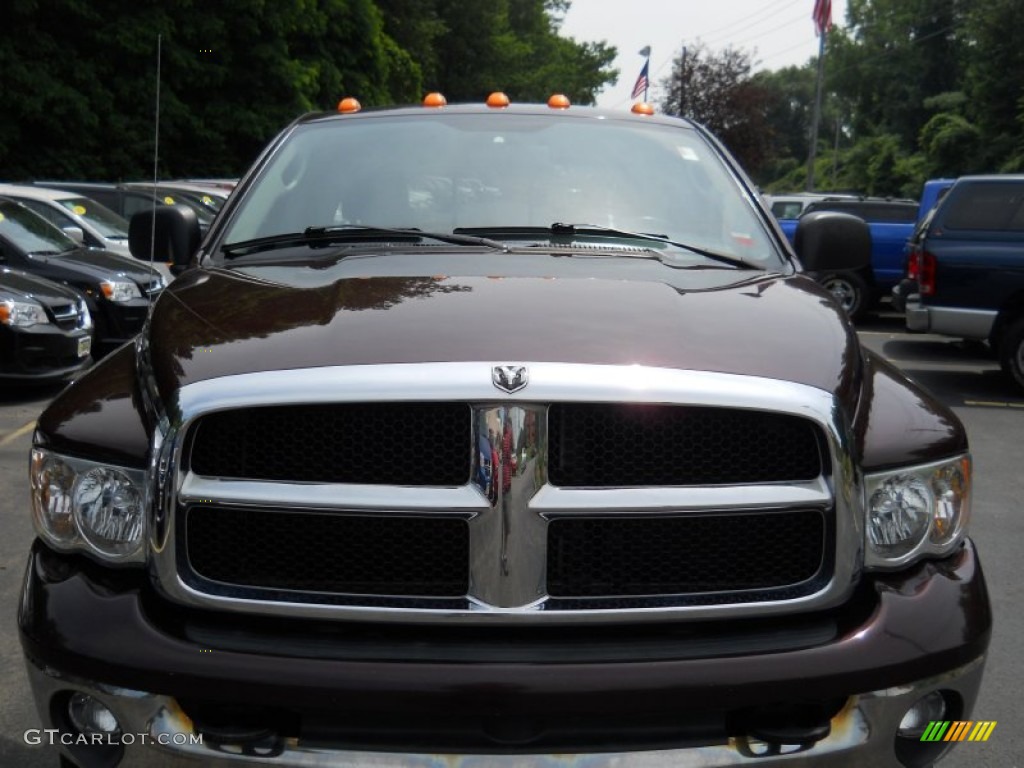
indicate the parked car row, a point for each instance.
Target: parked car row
{"x":952,"y":262}
{"x":70,"y":289}
{"x":61,"y":301}
{"x":127,"y":199}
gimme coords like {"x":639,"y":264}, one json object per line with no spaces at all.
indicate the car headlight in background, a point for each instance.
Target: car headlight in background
{"x":22,"y":314}
{"x":120,"y":290}
{"x":86,"y":506}
{"x":916,"y":511}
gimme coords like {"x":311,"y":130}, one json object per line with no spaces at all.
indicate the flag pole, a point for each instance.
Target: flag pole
{"x":644,"y":73}
{"x":817,"y":113}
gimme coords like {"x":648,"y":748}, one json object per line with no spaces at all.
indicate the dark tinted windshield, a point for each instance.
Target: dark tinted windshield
{"x":30,"y":231}
{"x":106,"y":222}
{"x":441,"y":172}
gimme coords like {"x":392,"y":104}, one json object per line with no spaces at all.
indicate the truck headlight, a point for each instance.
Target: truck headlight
{"x":118,"y":290}
{"x":22,"y":314}
{"x":916,"y":511}
{"x":81,"y":505}
{"x":108,"y":509}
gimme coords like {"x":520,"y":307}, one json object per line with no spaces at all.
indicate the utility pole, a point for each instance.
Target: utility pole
{"x":682,"y":84}
{"x":817,"y":113}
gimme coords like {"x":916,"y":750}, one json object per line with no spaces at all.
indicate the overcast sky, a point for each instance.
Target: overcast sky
{"x":777,"y":33}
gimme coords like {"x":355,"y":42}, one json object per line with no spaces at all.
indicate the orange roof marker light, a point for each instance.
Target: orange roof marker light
{"x":435,"y":99}
{"x":558,"y":101}
{"x":642,"y":108}
{"x":498,"y":100}
{"x":348,"y":105}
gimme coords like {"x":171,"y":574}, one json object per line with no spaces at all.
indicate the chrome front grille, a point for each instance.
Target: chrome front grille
{"x":724,"y":556}
{"x":628,"y":445}
{"x":325,"y":552}
{"x":419,"y":444}
{"x":483,"y":504}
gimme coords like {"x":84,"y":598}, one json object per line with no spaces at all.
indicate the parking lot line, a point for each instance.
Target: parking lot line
{"x":22,"y":430}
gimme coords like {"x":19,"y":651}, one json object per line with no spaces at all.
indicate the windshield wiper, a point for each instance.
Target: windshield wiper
{"x":343,"y":233}
{"x":559,"y":231}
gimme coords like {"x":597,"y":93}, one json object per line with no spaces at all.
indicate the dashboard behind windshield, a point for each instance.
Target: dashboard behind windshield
{"x":441,"y":172}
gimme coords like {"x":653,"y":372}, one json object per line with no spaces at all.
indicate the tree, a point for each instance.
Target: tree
{"x":514,"y":46}
{"x":891,"y":57}
{"x":995,"y":91}
{"x":79,"y":78}
{"x":716,"y":89}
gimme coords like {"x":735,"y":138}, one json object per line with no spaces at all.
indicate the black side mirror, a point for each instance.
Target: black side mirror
{"x":830,"y":240}
{"x":176,"y":229}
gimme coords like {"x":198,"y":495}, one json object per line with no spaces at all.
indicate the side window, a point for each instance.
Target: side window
{"x":46,"y":212}
{"x":133,"y":205}
{"x":787,"y":210}
{"x":986,"y":206}
{"x":894,"y":213}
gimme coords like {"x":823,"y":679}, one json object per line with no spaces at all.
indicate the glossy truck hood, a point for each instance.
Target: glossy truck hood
{"x":217,"y":322}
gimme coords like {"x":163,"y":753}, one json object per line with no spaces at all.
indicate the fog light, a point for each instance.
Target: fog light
{"x":925,"y":710}
{"x":89,"y":715}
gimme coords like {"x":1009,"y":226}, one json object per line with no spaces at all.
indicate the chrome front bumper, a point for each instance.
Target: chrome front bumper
{"x":863,"y":733}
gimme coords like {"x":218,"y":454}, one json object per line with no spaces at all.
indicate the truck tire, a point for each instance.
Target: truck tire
{"x":850,"y":291}
{"x":1011,"y":352}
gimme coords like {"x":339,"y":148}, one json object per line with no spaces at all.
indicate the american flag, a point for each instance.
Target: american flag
{"x":822,"y":16}
{"x":641,"y":81}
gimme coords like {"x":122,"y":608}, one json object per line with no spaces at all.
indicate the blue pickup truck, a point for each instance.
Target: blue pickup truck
{"x":891,"y":223}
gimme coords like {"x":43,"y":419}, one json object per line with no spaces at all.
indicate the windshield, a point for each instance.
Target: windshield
{"x":442,"y":172}
{"x":104,"y":220}
{"x":31,"y":232}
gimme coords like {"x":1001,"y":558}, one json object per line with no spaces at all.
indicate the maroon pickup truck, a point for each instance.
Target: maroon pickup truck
{"x":503,"y":436}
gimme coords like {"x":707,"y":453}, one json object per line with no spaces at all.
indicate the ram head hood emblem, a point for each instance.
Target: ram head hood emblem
{"x":510,"y":378}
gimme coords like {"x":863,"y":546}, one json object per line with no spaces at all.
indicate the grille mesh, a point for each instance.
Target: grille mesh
{"x":326,"y":552}
{"x":606,"y":445}
{"x":607,"y":557}
{"x":418,"y":444}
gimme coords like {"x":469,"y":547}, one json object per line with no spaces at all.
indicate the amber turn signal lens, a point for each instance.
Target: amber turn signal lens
{"x":349,"y":105}
{"x":498,"y":100}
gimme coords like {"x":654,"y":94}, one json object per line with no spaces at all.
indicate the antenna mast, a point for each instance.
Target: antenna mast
{"x":156,"y":160}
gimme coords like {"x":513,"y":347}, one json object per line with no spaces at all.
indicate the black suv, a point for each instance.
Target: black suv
{"x":117,"y":289}
{"x":967,"y":265}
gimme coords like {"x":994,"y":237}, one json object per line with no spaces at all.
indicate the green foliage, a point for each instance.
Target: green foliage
{"x":913,"y":88}
{"x":950,"y":142}
{"x":716,"y":90}
{"x":78,"y":79}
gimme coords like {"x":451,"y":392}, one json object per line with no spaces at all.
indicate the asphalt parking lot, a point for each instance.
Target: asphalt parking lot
{"x":962,"y":375}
